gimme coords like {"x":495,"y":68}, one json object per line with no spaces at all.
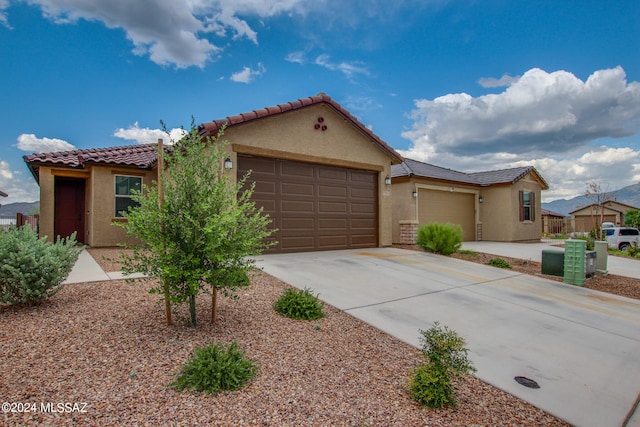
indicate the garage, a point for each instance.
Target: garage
{"x":314,"y":206}
{"x":448,"y":206}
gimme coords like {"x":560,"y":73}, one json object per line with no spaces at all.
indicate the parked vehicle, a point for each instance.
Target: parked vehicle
{"x":622,"y":237}
{"x":608,"y":225}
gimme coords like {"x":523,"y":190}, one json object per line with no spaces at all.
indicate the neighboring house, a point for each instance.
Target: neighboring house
{"x":553,"y":222}
{"x":586,"y":217}
{"x":500,"y":205}
{"x":320,"y":174}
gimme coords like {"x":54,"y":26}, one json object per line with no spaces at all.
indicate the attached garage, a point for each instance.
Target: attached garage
{"x":447,"y":206}
{"x":314,"y":206}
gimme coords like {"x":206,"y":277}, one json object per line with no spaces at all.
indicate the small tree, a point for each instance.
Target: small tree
{"x":632,"y":218}
{"x":599,"y":198}
{"x":202,"y":235}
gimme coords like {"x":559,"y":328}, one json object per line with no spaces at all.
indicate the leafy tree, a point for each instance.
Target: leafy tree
{"x":201,"y":234}
{"x":632,"y":218}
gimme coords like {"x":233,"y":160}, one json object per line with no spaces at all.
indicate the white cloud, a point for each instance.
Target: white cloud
{"x":247,"y":75}
{"x":540,"y":113}
{"x":349,"y":69}
{"x":296,"y":58}
{"x":539,"y":116}
{"x":16,"y":187}
{"x":32,"y":144}
{"x":4,"y":5}
{"x":505,"y":80}
{"x":149,"y":136}
{"x":171,"y":32}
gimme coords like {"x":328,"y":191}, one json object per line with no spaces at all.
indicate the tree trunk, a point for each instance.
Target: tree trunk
{"x":192,"y":309}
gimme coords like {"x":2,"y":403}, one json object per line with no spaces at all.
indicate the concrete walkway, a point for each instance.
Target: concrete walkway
{"x":581,"y":346}
{"x":86,"y":269}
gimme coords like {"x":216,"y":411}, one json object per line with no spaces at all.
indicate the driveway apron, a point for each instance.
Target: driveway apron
{"x":582,"y":347}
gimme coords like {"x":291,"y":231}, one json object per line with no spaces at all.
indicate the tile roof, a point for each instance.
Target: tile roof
{"x":215,"y":125}
{"x":140,"y":156}
{"x":425,"y":170}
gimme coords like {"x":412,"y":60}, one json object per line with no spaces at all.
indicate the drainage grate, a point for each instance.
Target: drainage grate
{"x":527,"y":382}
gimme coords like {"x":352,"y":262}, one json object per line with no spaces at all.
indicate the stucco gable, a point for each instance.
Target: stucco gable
{"x":211,"y":128}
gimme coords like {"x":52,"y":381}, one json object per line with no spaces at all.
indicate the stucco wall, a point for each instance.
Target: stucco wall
{"x":404,"y":206}
{"x":293,"y":135}
{"x":101,"y":206}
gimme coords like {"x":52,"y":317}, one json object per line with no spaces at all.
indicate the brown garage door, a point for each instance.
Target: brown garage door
{"x":315,"y":207}
{"x":446,"y":206}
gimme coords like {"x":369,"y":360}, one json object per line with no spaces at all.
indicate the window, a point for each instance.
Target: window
{"x":527,"y":206}
{"x":124,"y":187}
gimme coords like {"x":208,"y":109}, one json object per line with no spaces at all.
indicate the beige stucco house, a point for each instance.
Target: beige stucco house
{"x":500,"y":205}
{"x":586,"y":217}
{"x":320,"y":174}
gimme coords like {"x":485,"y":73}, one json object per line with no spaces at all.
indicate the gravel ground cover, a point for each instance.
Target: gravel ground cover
{"x":105,"y":350}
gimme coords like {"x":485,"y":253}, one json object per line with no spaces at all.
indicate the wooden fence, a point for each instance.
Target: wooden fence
{"x":19,"y":220}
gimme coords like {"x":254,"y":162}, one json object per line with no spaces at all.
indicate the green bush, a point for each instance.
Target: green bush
{"x":440,"y":238}
{"x":32,"y":269}
{"x":431,"y":386}
{"x":499,"y":262}
{"x":633,"y":250}
{"x":445,"y":356}
{"x":215,"y":368}
{"x":299,"y":304}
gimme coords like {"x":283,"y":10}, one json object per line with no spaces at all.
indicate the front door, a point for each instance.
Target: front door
{"x":69,"y":208}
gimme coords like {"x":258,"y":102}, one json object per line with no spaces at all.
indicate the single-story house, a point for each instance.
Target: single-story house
{"x":553,"y":222}
{"x":321,"y":175}
{"x":585,"y":217}
{"x":499,"y":205}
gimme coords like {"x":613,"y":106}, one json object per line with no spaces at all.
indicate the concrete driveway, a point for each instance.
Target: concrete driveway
{"x":581,"y":346}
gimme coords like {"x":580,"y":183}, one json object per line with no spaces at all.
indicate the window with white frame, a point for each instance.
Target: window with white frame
{"x":124,"y":187}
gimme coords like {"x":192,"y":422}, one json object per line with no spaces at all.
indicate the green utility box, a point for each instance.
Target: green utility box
{"x":575,"y":262}
{"x":553,"y":262}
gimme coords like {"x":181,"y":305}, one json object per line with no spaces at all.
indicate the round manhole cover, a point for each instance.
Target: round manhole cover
{"x":527,"y":382}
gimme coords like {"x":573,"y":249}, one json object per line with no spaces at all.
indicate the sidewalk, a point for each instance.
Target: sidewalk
{"x":86,"y":269}
{"x":617,"y":265}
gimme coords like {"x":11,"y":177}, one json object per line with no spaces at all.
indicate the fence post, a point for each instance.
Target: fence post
{"x":19,"y":220}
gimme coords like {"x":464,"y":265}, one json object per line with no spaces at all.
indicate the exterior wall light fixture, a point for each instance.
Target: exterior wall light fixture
{"x":387,"y":180}
{"x":415,"y":193}
{"x":481,"y":199}
{"x":228,"y":164}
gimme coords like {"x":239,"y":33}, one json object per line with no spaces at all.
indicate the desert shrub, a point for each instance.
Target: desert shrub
{"x":499,"y":262}
{"x":299,"y":304}
{"x":445,"y":357}
{"x":32,"y":269}
{"x":431,"y":386}
{"x":214,"y":368}
{"x":589,"y":239}
{"x":633,"y":250}
{"x":440,"y":238}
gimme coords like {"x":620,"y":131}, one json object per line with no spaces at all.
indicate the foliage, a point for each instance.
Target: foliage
{"x":632,"y":218}
{"x":32,"y":269}
{"x":215,"y":368}
{"x":445,"y":357}
{"x":467,"y":252}
{"x":205,"y":233}
{"x":440,"y":238}
{"x":299,"y":304}
{"x":499,"y":262}
{"x":431,"y":386}
{"x":599,"y":197}
{"x":633,"y":250}
{"x":589,"y":240}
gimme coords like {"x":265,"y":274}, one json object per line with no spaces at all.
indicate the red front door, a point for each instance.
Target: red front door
{"x":69,"y":208}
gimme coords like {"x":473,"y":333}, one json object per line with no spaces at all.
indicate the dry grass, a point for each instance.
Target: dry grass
{"x":106,"y":344}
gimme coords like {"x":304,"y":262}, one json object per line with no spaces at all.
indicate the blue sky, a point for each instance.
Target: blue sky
{"x":468,"y":85}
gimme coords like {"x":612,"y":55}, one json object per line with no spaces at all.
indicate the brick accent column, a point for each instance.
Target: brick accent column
{"x":408,"y":232}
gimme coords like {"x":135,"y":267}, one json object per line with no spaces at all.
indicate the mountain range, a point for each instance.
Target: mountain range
{"x":10,"y":209}
{"x":629,"y":195}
